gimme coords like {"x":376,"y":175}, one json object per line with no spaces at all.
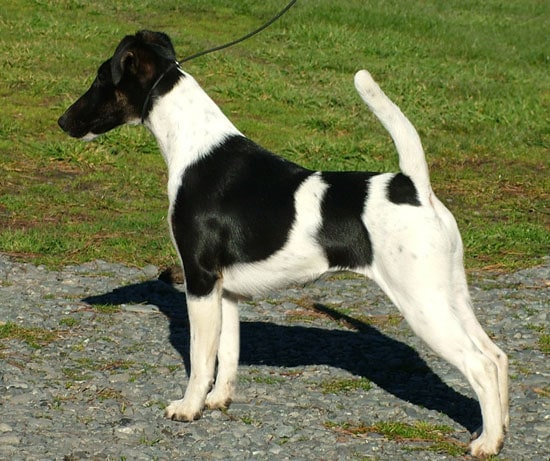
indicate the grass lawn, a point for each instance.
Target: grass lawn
{"x":473,"y":77}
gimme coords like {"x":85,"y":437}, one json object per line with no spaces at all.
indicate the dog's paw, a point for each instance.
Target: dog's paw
{"x":476,"y":433}
{"x":179,"y":410}
{"x":482,"y":446}
{"x":218,"y":402}
{"x":220,"y":397}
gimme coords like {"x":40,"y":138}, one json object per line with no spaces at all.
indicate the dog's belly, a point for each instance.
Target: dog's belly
{"x":281,"y":269}
{"x":306,"y":255}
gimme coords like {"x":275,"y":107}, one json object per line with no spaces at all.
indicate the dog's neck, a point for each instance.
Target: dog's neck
{"x":187,"y":124}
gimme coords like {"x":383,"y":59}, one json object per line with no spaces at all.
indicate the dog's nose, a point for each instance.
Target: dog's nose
{"x":62,"y":122}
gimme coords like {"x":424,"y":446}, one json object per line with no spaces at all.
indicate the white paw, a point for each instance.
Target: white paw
{"x":482,"y":446}
{"x":179,"y":410}
{"x":219,"y":399}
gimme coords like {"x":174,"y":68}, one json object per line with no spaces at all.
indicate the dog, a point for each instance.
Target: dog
{"x":245,"y":221}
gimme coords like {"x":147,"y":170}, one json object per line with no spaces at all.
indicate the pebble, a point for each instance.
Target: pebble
{"x":107,"y":349}
{"x":9,"y":440}
{"x":140,"y":308}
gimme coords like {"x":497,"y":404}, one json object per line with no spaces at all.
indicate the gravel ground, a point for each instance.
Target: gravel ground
{"x":100,"y":348}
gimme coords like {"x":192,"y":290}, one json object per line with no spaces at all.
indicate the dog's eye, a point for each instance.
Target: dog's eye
{"x":101,"y":77}
{"x":102,"y":80}
{"x":98,"y":80}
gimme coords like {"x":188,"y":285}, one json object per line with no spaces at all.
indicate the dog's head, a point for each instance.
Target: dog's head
{"x":121,"y":88}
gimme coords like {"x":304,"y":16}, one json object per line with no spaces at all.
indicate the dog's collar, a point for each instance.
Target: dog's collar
{"x":175,"y":64}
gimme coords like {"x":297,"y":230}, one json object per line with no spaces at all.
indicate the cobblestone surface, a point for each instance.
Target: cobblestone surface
{"x":91,"y":354}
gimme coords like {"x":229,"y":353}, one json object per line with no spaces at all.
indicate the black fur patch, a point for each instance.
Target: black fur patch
{"x":343,"y":235}
{"x":401,"y":191}
{"x":236,"y":205}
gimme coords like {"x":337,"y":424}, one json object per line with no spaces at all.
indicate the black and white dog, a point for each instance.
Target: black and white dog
{"x":245,"y":221}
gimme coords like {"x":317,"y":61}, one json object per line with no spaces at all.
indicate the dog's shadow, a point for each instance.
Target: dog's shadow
{"x":366,"y":352}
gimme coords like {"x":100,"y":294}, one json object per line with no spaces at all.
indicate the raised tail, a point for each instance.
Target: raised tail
{"x":412,"y":160}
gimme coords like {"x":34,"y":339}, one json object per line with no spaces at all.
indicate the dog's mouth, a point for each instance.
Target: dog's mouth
{"x":78,"y":130}
{"x":82,"y":136}
{"x":72,"y":129}
{"x":88,"y":137}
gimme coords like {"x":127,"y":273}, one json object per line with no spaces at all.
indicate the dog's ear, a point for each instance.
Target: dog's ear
{"x":128,"y":60}
{"x":134,"y":49}
{"x":124,"y":58}
{"x":160,"y":42}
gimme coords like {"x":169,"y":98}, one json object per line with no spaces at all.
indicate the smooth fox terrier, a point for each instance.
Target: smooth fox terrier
{"x":245,"y":221}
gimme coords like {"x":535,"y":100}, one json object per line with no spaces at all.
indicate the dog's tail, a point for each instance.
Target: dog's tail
{"x":412,"y":160}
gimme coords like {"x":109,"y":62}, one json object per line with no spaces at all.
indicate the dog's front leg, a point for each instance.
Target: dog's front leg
{"x":228,"y":356}
{"x":205,"y":318}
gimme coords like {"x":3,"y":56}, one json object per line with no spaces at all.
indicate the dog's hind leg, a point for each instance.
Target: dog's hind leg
{"x":429,"y":288}
{"x":464,"y":310}
{"x":460,"y":340}
{"x":205,"y":319}
{"x":228,"y":356}
{"x":463,"y":306}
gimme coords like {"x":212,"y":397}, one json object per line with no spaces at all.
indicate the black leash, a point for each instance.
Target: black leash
{"x":157,"y":81}
{"x":211,"y":50}
{"x":244,"y":37}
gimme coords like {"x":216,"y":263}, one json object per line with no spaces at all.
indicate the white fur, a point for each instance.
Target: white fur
{"x":412,"y":160}
{"x":228,"y":355}
{"x":89,"y":137}
{"x":205,"y":320}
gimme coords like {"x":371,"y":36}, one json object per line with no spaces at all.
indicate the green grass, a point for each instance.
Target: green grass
{"x":34,"y":337}
{"x":344,"y":386}
{"x":544,"y":343}
{"x":106,"y":308}
{"x":473,"y":77}
{"x":428,"y":437}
